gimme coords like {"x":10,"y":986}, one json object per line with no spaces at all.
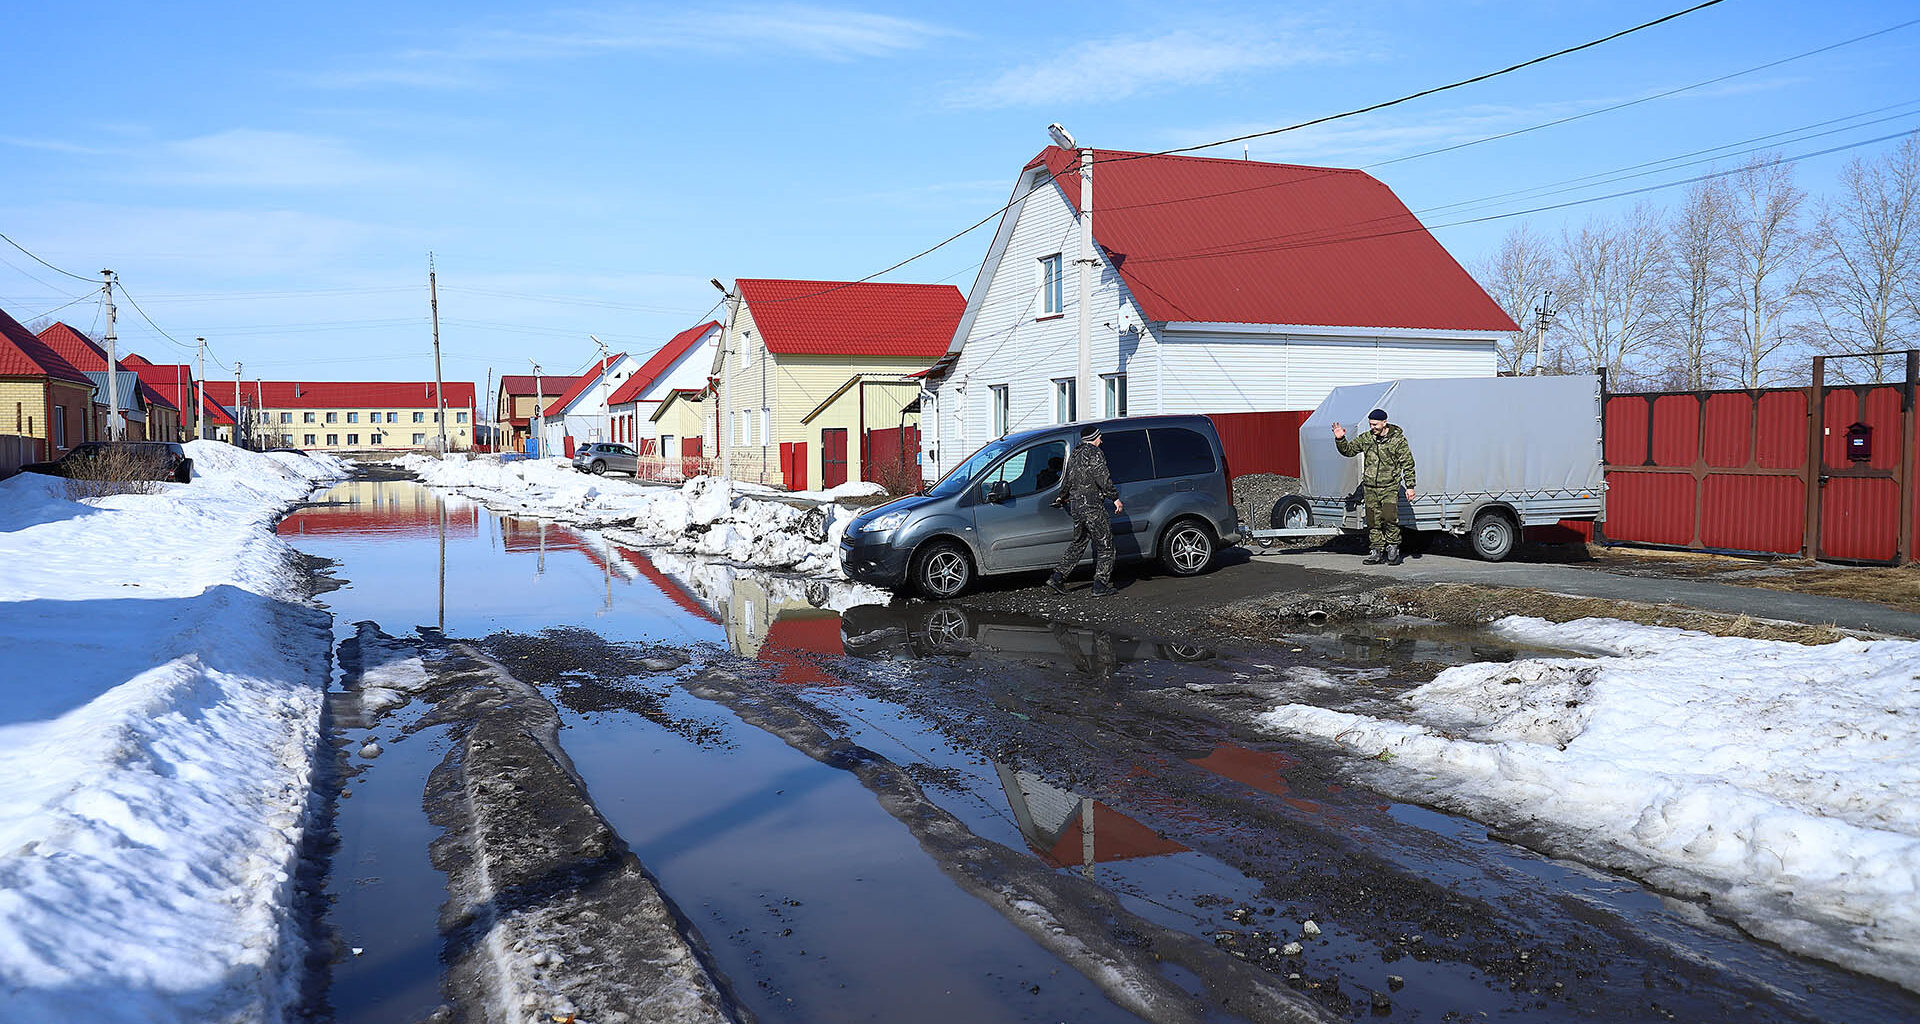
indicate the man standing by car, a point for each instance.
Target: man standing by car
{"x":1085,"y":489}
{"x":1386,"y":461}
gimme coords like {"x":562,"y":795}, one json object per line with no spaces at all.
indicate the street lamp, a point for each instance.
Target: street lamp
{"x":539,"y":417}
{"x":606,"y":397}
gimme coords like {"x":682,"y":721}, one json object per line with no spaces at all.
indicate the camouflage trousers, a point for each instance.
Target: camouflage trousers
{"x":1090,"y":524}
{"x":1383,"y":516}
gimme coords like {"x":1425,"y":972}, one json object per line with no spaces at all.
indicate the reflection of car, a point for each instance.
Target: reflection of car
{"x":994,"y":513}
{"x":923,"y":630}
{"x":599,"y":457}
{"x":120,"y":460}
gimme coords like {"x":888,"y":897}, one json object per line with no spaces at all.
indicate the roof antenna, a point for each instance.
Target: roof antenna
{"x":1246,"y":151}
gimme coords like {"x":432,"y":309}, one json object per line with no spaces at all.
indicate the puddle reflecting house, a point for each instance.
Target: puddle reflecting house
{"x":371,"y":507}
{"x":1069,"y":830}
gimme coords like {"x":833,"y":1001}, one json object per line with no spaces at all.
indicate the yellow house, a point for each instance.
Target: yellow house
{"x":350,"y":415}
{"x":45,"y":400}
{"x":814,"y":376}
{"x":684,"y":413}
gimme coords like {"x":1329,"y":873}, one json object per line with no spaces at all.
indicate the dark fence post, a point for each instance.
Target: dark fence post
{"x":1816,"y":453}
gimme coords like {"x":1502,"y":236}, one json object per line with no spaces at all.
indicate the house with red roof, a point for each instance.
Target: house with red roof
{"x":44,"y":399}
{"x":678,"y":368}
{"x":349,"y":415}
{"x":810,"y":371}
{"x":145,"y":414}
{"x":174,"y":383}
{"x":1219,"y":286}
{"x":519,"y":400}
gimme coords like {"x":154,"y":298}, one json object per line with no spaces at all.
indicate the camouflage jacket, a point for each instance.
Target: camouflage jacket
{"x":1086,"y":476}
{"x":1387,"y":461}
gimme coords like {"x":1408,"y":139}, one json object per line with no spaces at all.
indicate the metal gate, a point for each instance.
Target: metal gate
{"x":833,"y":457}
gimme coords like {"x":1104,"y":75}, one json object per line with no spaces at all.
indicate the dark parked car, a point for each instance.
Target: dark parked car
{"x":599,"y":458}
{"x":994,"y":512}
{"x":131,"y":460}
{"x":290,"y":451}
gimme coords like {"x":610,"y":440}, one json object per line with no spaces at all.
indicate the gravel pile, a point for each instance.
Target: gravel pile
{"x":1254,"y":496}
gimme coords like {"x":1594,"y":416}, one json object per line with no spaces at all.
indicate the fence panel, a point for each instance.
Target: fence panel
{"x":17,"y":450}
{"x":1261,"y":442}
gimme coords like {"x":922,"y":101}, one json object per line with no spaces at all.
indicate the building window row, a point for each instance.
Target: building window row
{"x":1066,"y":401}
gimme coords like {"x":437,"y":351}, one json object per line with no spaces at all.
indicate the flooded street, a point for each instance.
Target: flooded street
{"x":860,"y":810}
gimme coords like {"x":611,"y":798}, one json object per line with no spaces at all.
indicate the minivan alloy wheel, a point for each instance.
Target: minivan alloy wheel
{"x":944,"y":571}
{"x":1188,"y":549}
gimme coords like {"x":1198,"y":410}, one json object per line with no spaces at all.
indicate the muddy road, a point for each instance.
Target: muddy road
{"x":579,"y":779}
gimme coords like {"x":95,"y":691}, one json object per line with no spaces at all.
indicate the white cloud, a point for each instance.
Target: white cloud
{"x":1116,"y":68}
{"x":823,"y":33}
{"x":249,"y":158}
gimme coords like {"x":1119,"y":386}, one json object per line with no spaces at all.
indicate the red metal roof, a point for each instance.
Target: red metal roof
{"x":660,"y":361}
{"x":581,"y":384}
{"x":1241,"y":241}
{"x":88,"y":356}
{"x":522,"y":384}
{"x":279,"y":394}
{"x":173,"y":382}
{"x":23,"y":355}
{"x":914,"y":321}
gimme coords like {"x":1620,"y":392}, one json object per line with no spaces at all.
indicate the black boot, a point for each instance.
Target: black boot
{"x":1393,"y":554}
{"x":1057,"y":583}
{"x":1103,"y":589}
{"x":1375,"y":558}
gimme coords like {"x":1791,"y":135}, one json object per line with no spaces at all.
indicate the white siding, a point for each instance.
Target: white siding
{"x":689,"y":371}
{"x":1008,"y":341}
{"x":1262,"y":373}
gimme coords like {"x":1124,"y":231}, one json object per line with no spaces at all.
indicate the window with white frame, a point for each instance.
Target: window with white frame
{"x":1065,"y":409}
{"x":1000,"y":409}
{"x":1114,"y":395}
{"x":766,"y":425}
{"x":1052,"y":291}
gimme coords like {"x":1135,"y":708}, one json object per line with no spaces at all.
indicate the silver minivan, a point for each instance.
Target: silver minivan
{"x":994,"y":513}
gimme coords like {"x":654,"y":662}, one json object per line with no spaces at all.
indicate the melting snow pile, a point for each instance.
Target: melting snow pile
{"x":155,"y":744}
{"x":1775,"y":779}
{"x":741,"y":523}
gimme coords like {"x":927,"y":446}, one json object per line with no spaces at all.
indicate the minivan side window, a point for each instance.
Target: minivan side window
{"x":1178,"y":451}
{"x":1129,"y":458}
{"x":1031,"y":471}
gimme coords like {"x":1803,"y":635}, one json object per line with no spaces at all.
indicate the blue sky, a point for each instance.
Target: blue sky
{"x":273,"y":176}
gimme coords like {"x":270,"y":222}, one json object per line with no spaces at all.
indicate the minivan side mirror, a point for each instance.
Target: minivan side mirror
{"x":998,"y":492}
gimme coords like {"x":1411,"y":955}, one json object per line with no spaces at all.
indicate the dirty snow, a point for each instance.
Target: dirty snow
{"x":155,"y":744}
{"x":1776,"y":780}
{"x":742,"y":523}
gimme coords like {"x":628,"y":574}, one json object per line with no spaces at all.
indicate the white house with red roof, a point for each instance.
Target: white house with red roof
{"x":813,"y":373}
{"x":681,"y":365}
{"x":1221,"y":286}
{"x":578,"y":414}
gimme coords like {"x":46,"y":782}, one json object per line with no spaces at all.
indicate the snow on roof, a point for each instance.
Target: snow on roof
{"x":1242,"y":241}
{"x":661,"y":361}
{"x":863,"y":318}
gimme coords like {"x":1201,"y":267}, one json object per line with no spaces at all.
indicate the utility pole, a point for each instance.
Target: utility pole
{"x":606,"y":395}
{"x":493,"y":443}
{"x":1089,"y":259}
{"x":239,"y":415}
{"x":439,"y":390}
{"x":724,"y":426}
{"x":115,"y":432}
{"x":200,"y":407}
{"x":537,"y":423}
{"x":1542,"y":319}
{"x":259,"y":407}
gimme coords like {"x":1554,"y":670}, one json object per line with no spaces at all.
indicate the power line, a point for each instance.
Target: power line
{"x":47,"y":265}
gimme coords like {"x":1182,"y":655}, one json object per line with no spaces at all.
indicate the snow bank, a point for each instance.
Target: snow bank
{"x":742,"y":523}
{"x":1775,"y":779}
{"x":155,"y":745}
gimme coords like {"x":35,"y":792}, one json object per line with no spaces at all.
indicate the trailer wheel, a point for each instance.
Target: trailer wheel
{"x":1291,"y":513}
{"x":1493,"y":535}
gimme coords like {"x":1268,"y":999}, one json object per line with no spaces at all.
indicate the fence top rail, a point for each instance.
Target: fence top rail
{"x":1710,"y":392}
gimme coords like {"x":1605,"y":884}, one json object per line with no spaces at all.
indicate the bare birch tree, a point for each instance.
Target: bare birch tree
{"x":1770,"y":266}
{"x":1517,"y":277}
{"x":1869,"y":239}
{"x":1698,"y":314}
{"x":1612,"y":302}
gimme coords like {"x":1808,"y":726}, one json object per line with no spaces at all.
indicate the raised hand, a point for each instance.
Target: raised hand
{"x":1339,"y":432}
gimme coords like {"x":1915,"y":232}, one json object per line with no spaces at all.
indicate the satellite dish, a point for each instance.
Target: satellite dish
{"x":1062,"y":137}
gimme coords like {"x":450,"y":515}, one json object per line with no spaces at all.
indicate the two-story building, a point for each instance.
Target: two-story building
{"x":1219,"y":287}
{"x":809,"y":369}
{"x":349,"y":415}
{"x":519,"y":400}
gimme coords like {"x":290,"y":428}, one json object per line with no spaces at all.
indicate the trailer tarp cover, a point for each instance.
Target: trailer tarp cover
{"x":1470,"y":435}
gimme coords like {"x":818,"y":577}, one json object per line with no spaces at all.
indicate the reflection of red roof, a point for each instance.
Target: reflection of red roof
{"x":666,"y":584}
{"x":365,"y":520}
{"x":23,"y":355}
{"x":1242,"y":241}
{"x":1115,"y":837}
{"x":1264,"y":770}
{"x":796,"y":641}
{"x":841,"y":318}
{"x":660,"y":362}
{"x":327,"y":394}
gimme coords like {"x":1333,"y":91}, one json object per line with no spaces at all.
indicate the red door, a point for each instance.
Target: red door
{"x":833,"y":457}
{"x":690,"y":452}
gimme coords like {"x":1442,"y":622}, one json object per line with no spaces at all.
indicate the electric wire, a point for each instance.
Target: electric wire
{"x":44,"y":263}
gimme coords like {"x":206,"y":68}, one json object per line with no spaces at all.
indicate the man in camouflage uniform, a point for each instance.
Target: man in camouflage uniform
{"x":1386,"y":461}
{"x":1085,"y":489}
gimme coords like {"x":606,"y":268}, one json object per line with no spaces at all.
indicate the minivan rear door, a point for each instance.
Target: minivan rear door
{"x":1023,"y":530}
{"x":1130,"y":461}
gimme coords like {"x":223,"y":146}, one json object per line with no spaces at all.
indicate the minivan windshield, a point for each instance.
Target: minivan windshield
{"x":960,"y":476}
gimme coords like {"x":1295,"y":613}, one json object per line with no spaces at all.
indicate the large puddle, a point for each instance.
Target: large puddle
{"x":1054,"y":748}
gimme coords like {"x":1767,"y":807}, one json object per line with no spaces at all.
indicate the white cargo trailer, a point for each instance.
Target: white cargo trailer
{"x":1491,"y":455}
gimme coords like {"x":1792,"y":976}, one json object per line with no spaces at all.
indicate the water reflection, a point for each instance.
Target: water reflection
{"x":377,"y":508}
{"x":928,"y":630}
{"x":1066,"y":829}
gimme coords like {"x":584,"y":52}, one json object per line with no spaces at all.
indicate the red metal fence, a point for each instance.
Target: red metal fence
{"x":892,"y":458}
{"x":1767,"y":471}
{"x":1261,"y":442}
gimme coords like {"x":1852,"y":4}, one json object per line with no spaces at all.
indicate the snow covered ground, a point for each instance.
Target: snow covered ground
{"x":160,"y":720}
{"x":741,"y":523}
{"x":1780,"y":781}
